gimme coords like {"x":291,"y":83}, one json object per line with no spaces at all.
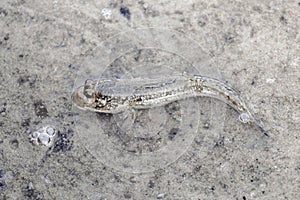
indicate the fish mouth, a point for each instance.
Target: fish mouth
{"x":80,"y":99}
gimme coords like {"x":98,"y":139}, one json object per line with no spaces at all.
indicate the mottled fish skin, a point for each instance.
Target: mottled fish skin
{"x":114,"y":96}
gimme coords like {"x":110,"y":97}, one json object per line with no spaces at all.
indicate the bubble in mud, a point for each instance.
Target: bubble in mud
{"x":244,"y":117}
{"x":43,"y":136}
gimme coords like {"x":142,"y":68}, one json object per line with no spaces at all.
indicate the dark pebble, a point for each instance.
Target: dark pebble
{"x":125,"y":12}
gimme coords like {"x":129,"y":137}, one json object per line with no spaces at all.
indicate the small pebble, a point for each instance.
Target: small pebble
{"x":106,"y":13}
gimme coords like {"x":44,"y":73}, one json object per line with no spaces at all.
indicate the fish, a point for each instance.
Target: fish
{"x":116,"y":95}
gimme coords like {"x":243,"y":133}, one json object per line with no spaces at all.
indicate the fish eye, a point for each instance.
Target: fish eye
{"x":89,"y":88}
{"x":88,"y":92}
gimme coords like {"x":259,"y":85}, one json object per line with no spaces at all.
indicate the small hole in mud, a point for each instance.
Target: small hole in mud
{"x":14,"y":143}
{"x":173,"y":132}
